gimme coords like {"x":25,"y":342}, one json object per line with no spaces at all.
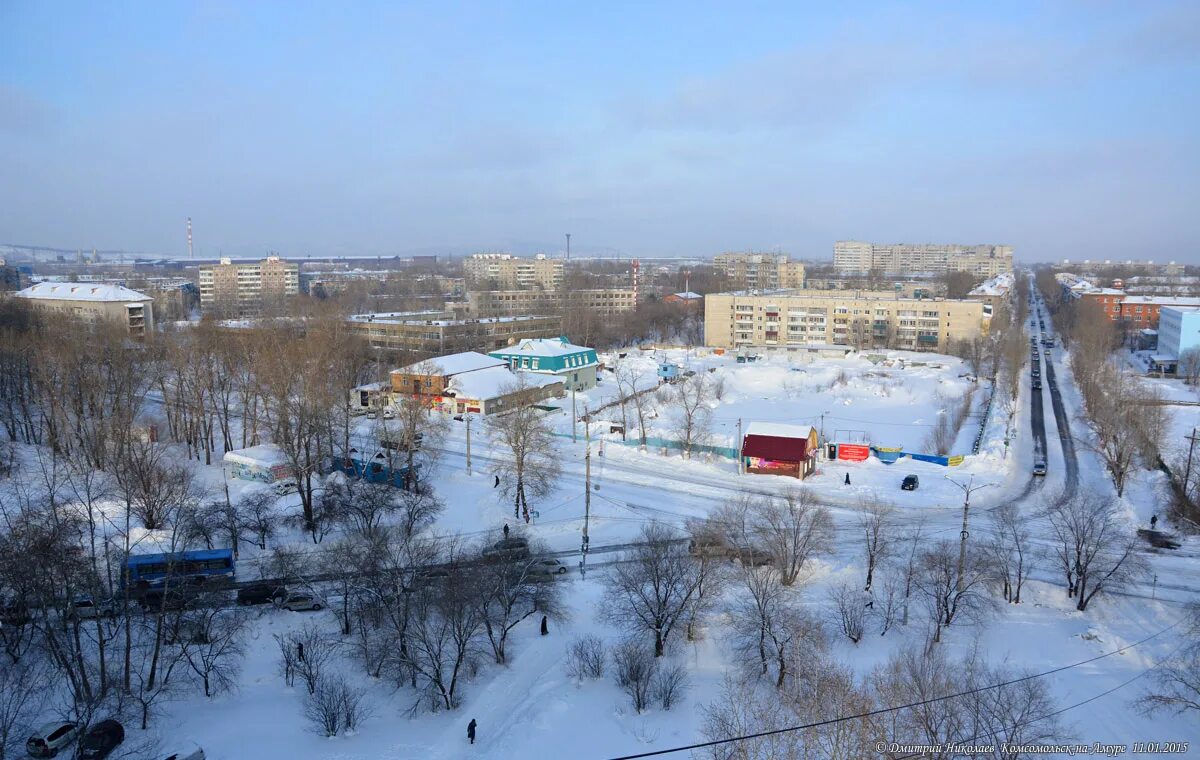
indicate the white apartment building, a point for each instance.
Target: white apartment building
{"x":760,"y":271}
{"x":507,"y":272}
{"x":932,"y":258}
{"x":247,"y":289}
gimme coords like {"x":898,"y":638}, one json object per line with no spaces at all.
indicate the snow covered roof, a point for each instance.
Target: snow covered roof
{"x":1163,"y":300}
{"x":778,"y":429}
{"x":688,"y":296}
{"x":493,"y":382}
{"x":774,"y":440}
{"x":542,"y":347}
{"x":997,"y":286}
{"x":452,"y":364}
{"x":264,"y":455}
{"x":78,"y":291}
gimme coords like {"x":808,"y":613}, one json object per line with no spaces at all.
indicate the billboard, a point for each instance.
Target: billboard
{"x":853,"y":452}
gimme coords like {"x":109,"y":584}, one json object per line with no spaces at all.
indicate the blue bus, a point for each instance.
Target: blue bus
{"x":201,"y":565}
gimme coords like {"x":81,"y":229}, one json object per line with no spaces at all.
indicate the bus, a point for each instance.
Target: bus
{"x":204,"y":565}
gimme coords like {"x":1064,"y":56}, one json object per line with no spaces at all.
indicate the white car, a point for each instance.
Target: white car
{"x":51,"y":739}
{"x":84,"y":608}
{"x":302,"y":603}
{"x":546,"y":567}
{"x":1039,"y":467}
{"x":284,"y":487}
{"x":193,"y":754}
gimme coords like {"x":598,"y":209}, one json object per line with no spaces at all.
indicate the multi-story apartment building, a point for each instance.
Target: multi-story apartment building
{"x":503,"y":271}
{"x":93,"y":304}
{"x":904,"y":258}
{"x":438,"y":332}
{"x":795,"y":318}
{"x":760,"y":271}
{"x":512,"y":303}
{"x":247,"y":289}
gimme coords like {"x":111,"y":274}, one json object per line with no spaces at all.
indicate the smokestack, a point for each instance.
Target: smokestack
{"x":189,"y":228}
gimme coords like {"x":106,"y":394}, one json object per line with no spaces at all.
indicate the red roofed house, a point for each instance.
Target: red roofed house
{"x":771,"y":448}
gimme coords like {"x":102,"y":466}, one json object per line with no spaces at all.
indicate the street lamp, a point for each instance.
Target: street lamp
{"x":968,"y":488}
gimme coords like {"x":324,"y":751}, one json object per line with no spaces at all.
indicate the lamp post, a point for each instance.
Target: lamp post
{"x":967,"y":488}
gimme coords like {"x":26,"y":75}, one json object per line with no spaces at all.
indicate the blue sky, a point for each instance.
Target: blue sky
{"x":1064,"y":129}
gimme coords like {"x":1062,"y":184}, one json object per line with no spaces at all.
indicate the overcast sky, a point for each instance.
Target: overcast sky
{"x":1063,"y":129}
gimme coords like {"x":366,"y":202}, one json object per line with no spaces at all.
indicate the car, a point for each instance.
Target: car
{"x":1037,"y":372}
{"x":101,"y":739}
{"x":910,"y":483}
{"x":51,"y":739}
{"x":708,"y":546}
{"x":1039,"y":467}
{"x":515,"y":546}
{"x":752,"y":556}
{"x":284,"y":487}
{"x":261,"y":593}
{"x":84,"y":608}
{"x":171,"y":600}
{"x":547,"y":566}
{"x":297,"y":602}
{"x":195,"y":754}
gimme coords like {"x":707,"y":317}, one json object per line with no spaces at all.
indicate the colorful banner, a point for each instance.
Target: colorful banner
{"x":853,"y":452}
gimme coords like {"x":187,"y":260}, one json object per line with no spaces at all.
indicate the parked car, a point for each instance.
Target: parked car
{"x":284,"y":487}
{"x":51,"y":738}
{"x":261,"y":593}
{"x":302,"y":602}
{"x":14,"y":612}
{"x":708,"y":546}
{"x":1160,"y":539}
{"x":515,"y":546}
{"x":196,"y":754}
{"x":752,"y":556}
{"x":84,"y":608}
{"x":1039,"y":467}
{"x":101,"y":739}
{"x":910,"y":483}
{"x":547,"y":567}
{"x":172,"y":599}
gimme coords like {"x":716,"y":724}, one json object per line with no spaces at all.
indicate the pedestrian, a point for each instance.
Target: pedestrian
{"x":847,"y":478}
{"x":1153,"y":521}
{"x":506,"y":531}
{"x":497,"y":483}
{"x":545,"y":628}
{"x":300,"y":651}
{"x":471,"y":730}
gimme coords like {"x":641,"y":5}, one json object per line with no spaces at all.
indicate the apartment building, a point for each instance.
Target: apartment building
{"x":92,"y":304}
{"x":512,"y":303}
{"x":795,"y":318}
{"x":760,"y":271}
{"x":931,"y":258}
{"x":436,"y":333}
{"x":503,"y":271}
{"x":247,"y":289}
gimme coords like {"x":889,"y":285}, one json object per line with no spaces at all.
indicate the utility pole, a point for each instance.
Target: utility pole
{"x":587,"y":506}
{"x":1187,"y":476}
{"x":968,"y":489}
{"x":568,"y":246}
{"x":574,"y":417}
{"x":468,"y":443}
{"x":738,"y":443}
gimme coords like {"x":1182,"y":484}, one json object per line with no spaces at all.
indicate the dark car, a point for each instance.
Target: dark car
{"x":910,"y":483}
{"x":1037,"y":384}
{"x":508,"y":547}
{"x":169,"y":600}
{"x":260,"y":593}
{"x":101,"y":739}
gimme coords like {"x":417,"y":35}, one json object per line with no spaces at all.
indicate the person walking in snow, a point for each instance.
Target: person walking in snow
{"x":847,"y":478}
{"x":300,"y":651}
{"x":505,"y":530}
{"x":497,"y":483}
{"x":545,"y":628}
{"x":1153,"y":521}
{"x":471,"y":730}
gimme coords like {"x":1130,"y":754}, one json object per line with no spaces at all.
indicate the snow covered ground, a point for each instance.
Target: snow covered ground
{"x":530,"y":707}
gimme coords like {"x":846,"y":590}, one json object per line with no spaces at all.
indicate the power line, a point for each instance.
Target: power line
{"x":885,"y":710}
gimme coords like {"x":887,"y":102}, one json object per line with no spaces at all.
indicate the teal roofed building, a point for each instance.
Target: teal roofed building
{"x":576,"y":365}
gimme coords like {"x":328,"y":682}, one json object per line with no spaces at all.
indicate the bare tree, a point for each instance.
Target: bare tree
{"x":442,"y":637}
{"x":22,"y":697}
{"x":259,"y":515}
{"x":1189,"y":366}
{"x":691,"y":397}
{"x":850,"y":611}
{"x":1176,"y":682}
{"x":306,"y":652}
{"x":793,"y":529}
{"x":215,"y":648}
{"x":875,"y":527}
{"x":510,"y":590}
{"x":585,"y":658}
{"x":654,"y":588}
{"x":1009,"y":552}
{"x":669,"y":684}
{"x":949,"y":596}
{"x":419,"y":507}
{"x":1094,"y":548}
{"x":335,"y":706}
{"x":526,"y":435}
{"x":634,"y":670}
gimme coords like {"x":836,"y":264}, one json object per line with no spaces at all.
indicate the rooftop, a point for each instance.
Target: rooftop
{"x":74,"y":291}
{"x":484,"y":384}
{"x":452,"y":364}
{"x":542,"y":347}
{"x":778,"y":430}
{"x":414,"y":318}
{"x":1163,"y":300}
